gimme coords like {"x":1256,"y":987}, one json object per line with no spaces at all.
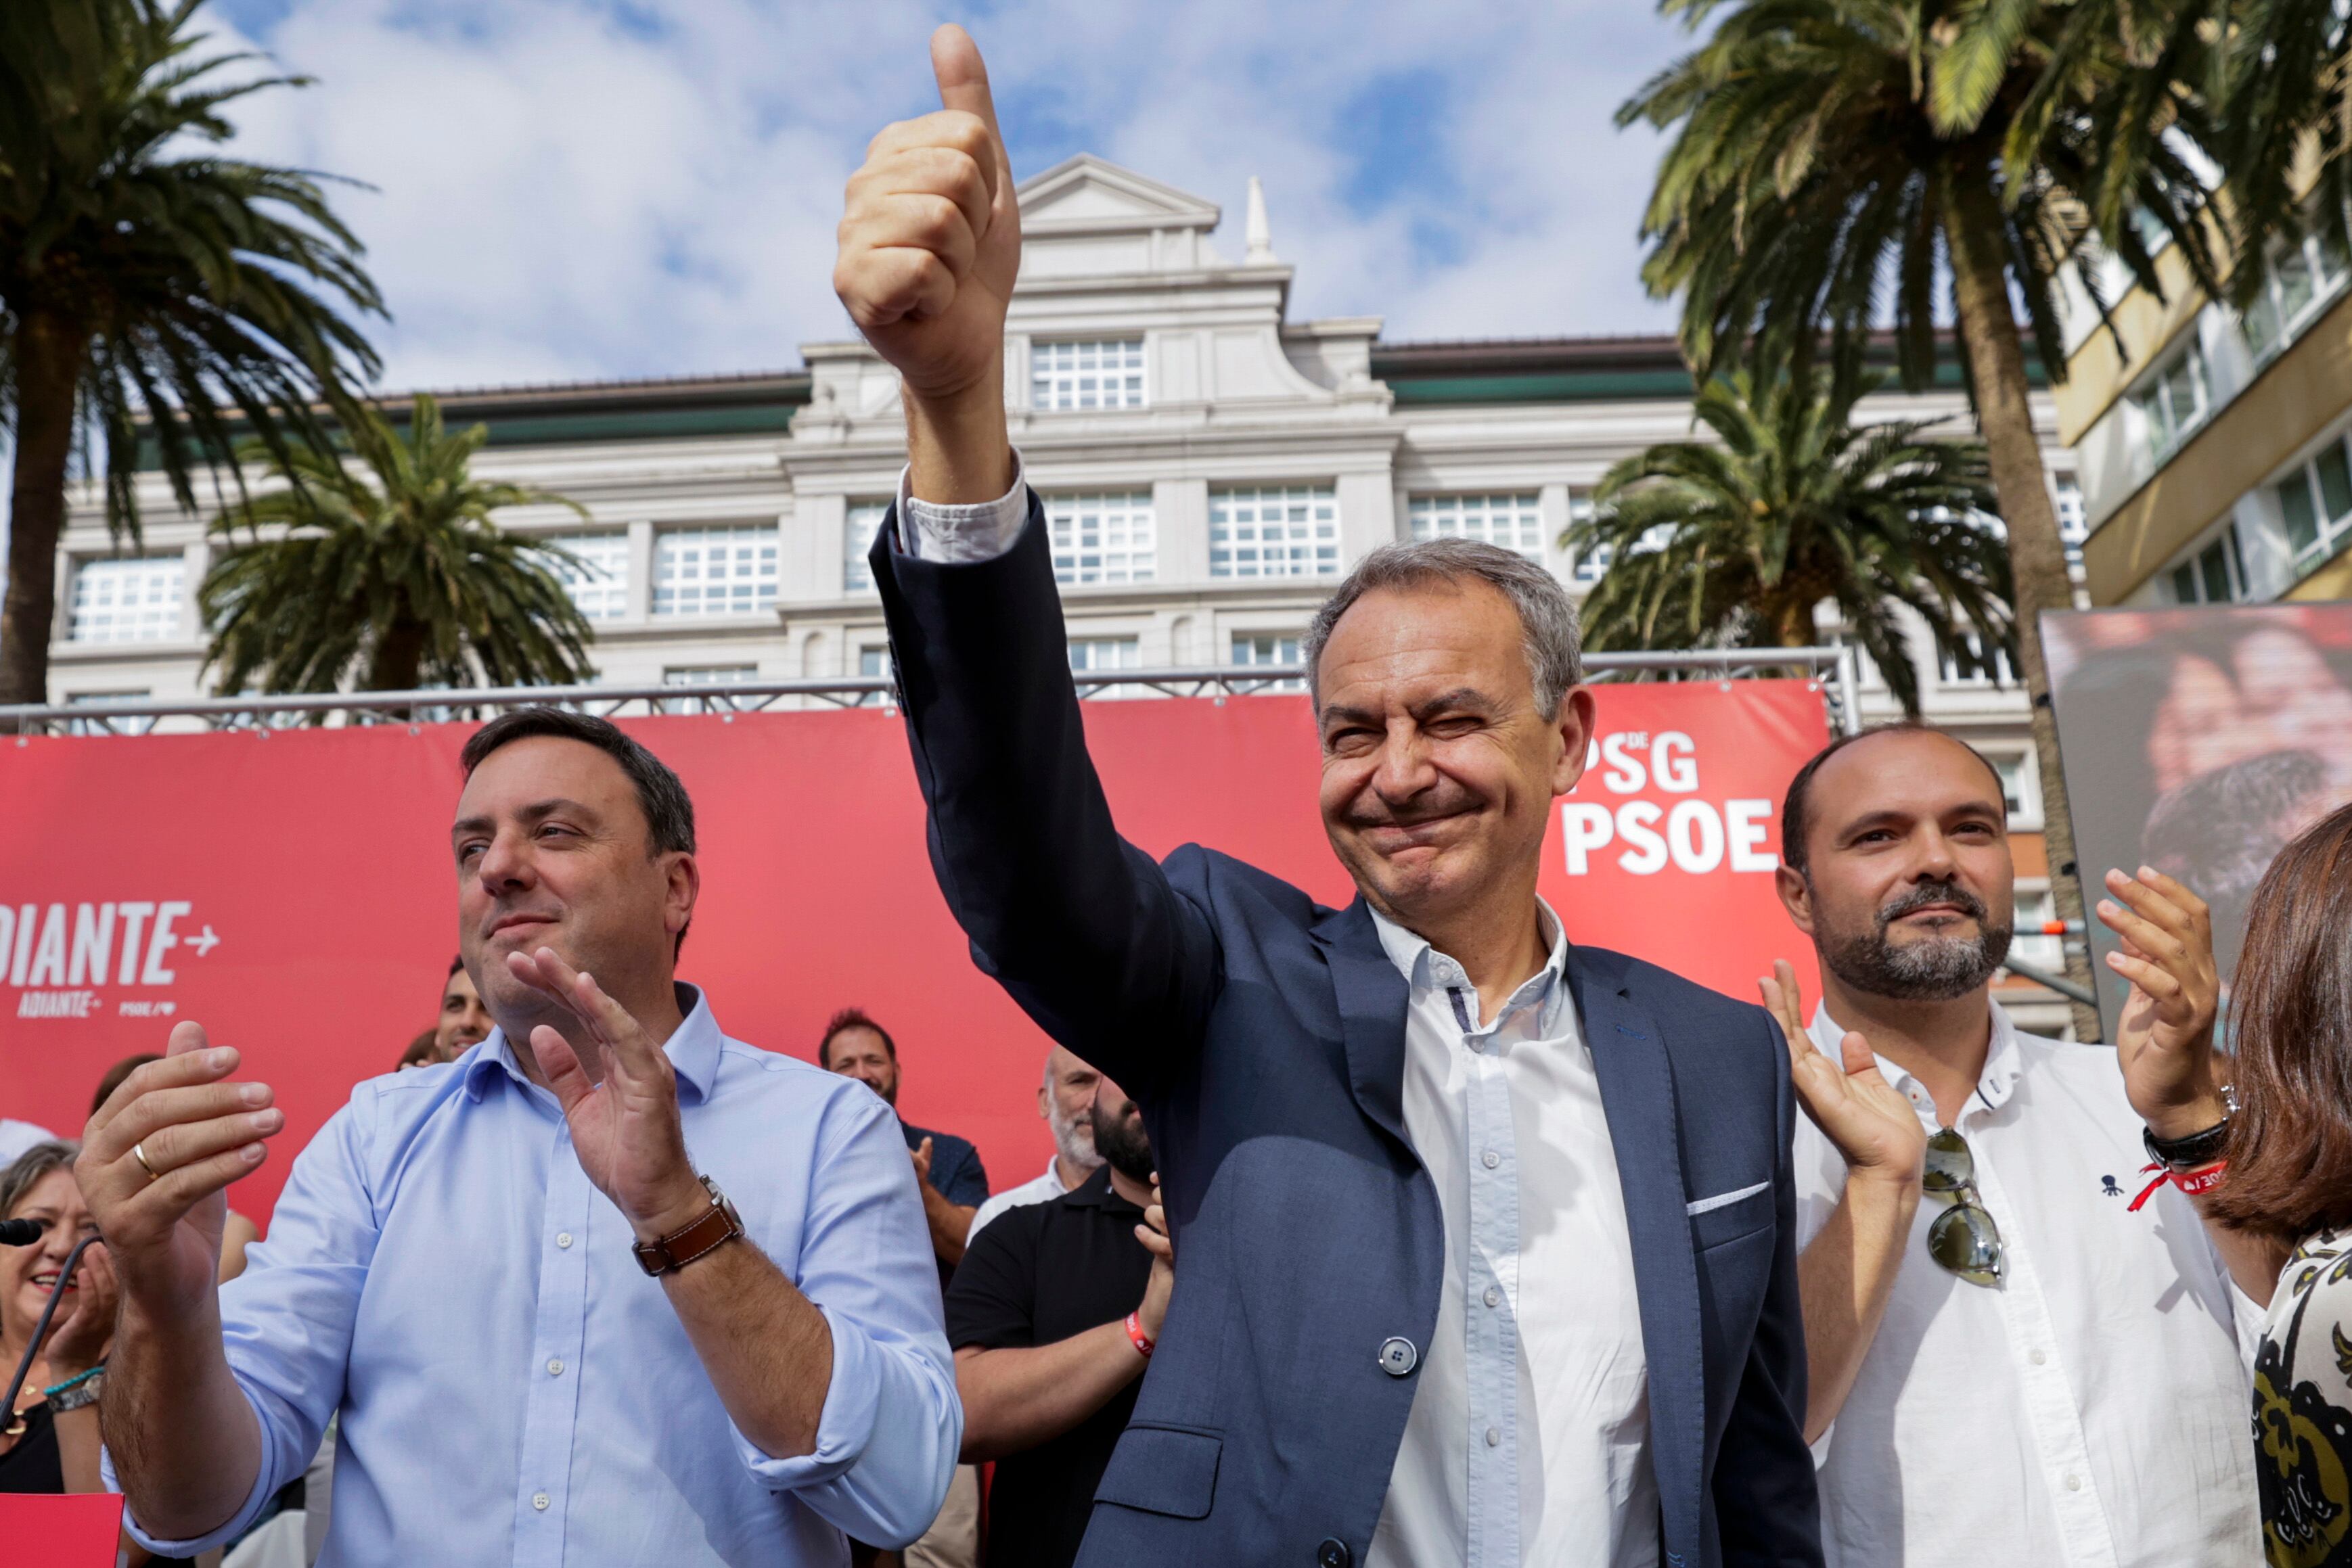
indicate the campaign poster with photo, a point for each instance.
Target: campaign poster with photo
{"x":2198,"y":741}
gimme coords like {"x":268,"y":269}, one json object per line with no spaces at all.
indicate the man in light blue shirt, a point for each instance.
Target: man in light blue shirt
{"x":459,"y":1261}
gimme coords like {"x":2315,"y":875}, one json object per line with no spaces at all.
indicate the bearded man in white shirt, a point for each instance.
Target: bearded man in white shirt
{"x":1066,"y":1100}
{"x":2029,"y":1367}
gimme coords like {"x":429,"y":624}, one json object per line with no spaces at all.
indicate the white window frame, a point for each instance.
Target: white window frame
{"x":2002,"y":674}
{"x":2026,"y":815}
{"x":1513,"y":519}
{"x":2270,"y":324}
{"x":116,"y":599}
{"x":2073,"y":515}
{"x":601,"y":591}
{"x":1586,"y":569}
{"x":671,"y":601}
{"x":860,"y":521}
{"x":703,"y":676}
{"x":1306,"y":543}
{"x":1088,"y":655}
{"x":1245,"y":649}
{"x":2034,"y":906}
{"x":129,"y":724}
{"x":2188,"y":576}
{"x":2168,"y":425}
{"x":1102,"y":537}
{"x":873,"y":660}
{"x":2330,"y":533}
{"x":1088,"y":375}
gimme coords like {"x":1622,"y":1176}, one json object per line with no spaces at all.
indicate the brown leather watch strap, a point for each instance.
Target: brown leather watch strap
{"x":716,"y":1228}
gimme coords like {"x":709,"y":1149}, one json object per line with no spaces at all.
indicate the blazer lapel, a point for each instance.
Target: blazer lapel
{"x":1372,"y":998}
{"x":1637,"y":1095}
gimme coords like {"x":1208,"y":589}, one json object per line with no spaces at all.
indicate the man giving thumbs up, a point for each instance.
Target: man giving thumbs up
{"x":1489,"y":1239}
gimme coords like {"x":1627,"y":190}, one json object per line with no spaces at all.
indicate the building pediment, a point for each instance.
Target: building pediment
{"x":1085,"y":196}
{"x":1086,"y":218}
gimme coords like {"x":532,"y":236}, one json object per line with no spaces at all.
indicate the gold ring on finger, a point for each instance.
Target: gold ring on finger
{"x":141,"y":1156}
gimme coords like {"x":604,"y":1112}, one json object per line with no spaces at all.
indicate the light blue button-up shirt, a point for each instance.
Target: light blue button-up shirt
{"x":514,"y":1389}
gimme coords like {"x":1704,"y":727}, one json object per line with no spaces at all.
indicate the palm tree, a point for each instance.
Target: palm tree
{"x":1734,"y":542}
{"x":154,"y":297}
{"x":2285,"y":132}
{"x":400,"y":583}
{"x":1839,"y":162}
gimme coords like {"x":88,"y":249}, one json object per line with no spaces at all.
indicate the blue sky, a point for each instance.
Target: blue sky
{"x":591,"y":188}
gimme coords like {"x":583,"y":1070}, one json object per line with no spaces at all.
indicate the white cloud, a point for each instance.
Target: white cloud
{"x":572,"y":189}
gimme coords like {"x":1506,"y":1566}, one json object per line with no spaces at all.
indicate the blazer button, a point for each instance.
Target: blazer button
{"x":1333,"y":1553}
{"x":1398,"y":1357}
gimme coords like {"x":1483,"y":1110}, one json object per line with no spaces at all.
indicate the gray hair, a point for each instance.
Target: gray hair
{"x":25,"y":1174}
{"x":1547,"y":615}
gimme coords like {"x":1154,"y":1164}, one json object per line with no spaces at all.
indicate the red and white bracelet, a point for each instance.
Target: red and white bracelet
{"x":1143,"y":1342}
{"x":2195,"y":1183}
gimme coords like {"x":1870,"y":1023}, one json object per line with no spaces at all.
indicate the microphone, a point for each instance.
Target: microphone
{"x":21,"y":1232}
{"x":65,"y":1277}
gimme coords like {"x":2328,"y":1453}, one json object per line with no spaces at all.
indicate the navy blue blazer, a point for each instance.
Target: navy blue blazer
{"x":1264,"y":1037}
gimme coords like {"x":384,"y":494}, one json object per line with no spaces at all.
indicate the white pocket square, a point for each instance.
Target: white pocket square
{"x":1723,"y":1199}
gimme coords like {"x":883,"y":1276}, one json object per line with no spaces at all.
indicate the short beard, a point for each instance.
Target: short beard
{"x":1129,"y":1154}
{"x":1931,"y":969}
{"x":1074,"y":1139}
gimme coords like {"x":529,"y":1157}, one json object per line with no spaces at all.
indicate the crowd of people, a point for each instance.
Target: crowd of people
{"x":1404,"y":1233}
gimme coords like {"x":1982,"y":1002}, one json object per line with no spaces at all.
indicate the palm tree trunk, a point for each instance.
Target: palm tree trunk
{"x":1989,"y":335}
{"x":48,"y":366}
{"x":398,"y":661}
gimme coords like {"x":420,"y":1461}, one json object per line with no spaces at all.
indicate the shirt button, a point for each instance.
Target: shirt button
{"x":2074,"y":1483}
{"x":1493,"y":1437}
{"x":2040,"y":1356}
{"x":1478,"y":1045}
{"x":1494,"y":1297}
{"x":556,"y":1368}
{"x":538,"y":1501}
{"x":1490,"y":1159}
{"x":564,"y":1239}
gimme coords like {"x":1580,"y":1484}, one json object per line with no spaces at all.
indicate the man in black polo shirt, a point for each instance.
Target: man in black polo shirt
{"x":1053,"y":1316}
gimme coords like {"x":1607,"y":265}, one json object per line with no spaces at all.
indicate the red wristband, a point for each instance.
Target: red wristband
{"x":1143,"y":1341}
{"x":2196,"y":1182}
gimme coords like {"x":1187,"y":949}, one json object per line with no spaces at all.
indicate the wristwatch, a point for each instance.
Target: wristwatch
{"x":2188,"y":1154}
{"x":717,"y":1227}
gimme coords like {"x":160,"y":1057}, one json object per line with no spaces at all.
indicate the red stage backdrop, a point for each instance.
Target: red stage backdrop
{"x":293,"y":891}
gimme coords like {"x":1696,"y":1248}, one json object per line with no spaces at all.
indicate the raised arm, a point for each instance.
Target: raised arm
{"x":2164,"y":1038}
{"x":156,"y":1160}
{"x":1846,"y":1273}
{"x":1081,"y":927}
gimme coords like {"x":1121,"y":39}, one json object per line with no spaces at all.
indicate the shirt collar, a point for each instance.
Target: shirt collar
{"x":2004,"y":1063}
{"x":1096,"y":1192}
{"x":693,"y":1049}
{"x":1425,"y":968}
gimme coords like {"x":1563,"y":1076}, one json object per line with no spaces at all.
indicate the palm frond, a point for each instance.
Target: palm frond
{"x":387,"y":569}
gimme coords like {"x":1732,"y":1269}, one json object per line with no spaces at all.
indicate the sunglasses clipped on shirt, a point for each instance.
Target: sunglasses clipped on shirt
{"x":1964,"y":1240}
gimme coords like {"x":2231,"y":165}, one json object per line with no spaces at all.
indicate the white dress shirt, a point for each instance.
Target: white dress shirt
{"x":1528,"y":1442}
{"x":2090,"y":1411}
{"x":1037,"y":1189}
{"x":1530,"y":1436}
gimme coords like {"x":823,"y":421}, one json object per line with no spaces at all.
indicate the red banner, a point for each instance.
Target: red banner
{"x":292,"y":891}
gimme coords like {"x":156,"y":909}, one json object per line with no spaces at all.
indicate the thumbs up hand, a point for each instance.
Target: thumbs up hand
{"x":929,"y":244}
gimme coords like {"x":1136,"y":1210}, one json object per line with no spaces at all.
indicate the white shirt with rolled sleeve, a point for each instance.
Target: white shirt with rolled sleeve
{"x":1528,"y":1441}
{"x":2092,"y":1411}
